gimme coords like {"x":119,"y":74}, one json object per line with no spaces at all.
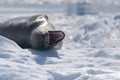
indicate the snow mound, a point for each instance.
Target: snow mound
{"x":7,"y":44}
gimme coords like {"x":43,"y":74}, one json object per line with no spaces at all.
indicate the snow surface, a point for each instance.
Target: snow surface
{"x":55,"y":1}
{"x":91,"y":51}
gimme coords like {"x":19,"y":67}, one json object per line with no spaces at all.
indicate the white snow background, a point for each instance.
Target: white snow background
{"x":91,"y":51}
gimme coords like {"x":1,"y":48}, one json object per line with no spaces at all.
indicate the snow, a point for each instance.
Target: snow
{"x":90,"y":51}
{"x":8,"y":44}
{"x":55,"y":1}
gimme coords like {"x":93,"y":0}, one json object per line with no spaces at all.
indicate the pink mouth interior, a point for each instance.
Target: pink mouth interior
{"x":56,"y":36}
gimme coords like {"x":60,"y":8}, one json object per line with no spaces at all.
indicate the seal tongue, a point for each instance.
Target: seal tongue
{"x":55,"y":36}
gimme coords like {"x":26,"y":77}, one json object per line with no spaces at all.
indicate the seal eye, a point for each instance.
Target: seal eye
{"x":55,"y":37}
{"x":40,"y":17}
{"x":46,"y":17}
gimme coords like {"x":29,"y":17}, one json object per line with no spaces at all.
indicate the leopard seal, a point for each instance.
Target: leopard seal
{"x":32,"y":32}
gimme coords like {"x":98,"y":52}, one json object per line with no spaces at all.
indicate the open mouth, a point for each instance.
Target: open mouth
{"x":55,"y":36}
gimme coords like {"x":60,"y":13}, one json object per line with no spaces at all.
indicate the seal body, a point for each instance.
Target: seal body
{"x":32,"y":32}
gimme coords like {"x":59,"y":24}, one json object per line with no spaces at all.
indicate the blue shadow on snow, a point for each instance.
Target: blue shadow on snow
{"x":42,"y":55}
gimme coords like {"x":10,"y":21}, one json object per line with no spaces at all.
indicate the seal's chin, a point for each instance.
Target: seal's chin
{"x":55,"y":37}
